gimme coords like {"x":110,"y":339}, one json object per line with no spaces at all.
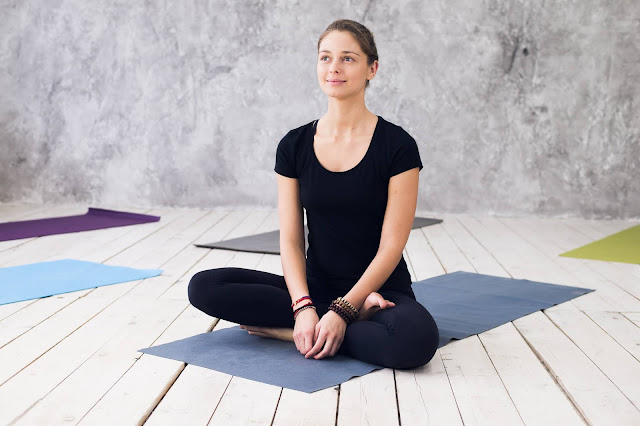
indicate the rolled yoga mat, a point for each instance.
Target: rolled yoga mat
{"x":622,"y":247}
{"x":25,"y":282}
{"x":269,"y":242}
{"x":93,"y":219}
{"x":461,"y":303}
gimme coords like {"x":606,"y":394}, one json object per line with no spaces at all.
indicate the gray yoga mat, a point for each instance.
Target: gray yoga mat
{"x":462,"y":304}
{"x":269,"y":242}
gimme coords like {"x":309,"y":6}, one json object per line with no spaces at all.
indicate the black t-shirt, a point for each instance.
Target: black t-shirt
{"x":345,"y":210}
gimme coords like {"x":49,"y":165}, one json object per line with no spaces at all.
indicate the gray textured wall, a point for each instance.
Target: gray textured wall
{"x":519,"y":107}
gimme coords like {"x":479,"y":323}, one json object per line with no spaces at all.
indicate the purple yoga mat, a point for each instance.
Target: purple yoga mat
{"x":93,"y":219}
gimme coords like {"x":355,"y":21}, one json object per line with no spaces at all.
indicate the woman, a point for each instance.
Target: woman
{"x":356,"y":175}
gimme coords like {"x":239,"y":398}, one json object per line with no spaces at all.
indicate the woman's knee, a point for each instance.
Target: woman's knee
{"x":415,"y":341}
{"x":203,"y":284}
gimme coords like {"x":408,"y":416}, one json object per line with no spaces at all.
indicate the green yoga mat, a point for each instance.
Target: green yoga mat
{"x":621,"y":247}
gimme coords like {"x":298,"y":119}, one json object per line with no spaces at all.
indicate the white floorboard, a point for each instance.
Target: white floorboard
{"x":73,"y":358}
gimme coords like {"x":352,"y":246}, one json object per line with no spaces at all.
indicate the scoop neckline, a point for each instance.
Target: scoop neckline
{"x":313,"y":151}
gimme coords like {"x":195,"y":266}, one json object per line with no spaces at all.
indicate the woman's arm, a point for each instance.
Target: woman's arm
{"x":292,"y":236}
{"x":293,"y":258}
{"x":398,"y":220}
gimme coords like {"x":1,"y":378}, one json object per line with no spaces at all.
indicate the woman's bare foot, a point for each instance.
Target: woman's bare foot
{"x":271,"y":333}
{"x":372,"y":304}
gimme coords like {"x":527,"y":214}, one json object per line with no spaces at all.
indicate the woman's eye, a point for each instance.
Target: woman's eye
{"x":347,"y":57}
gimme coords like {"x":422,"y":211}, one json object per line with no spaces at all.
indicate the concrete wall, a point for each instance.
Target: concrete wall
{"x":519,"y":107}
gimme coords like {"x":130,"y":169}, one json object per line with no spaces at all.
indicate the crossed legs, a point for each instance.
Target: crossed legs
{"x":404,"y":336}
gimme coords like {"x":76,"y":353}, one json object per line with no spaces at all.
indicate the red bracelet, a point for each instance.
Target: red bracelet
{"x":300,"y":300}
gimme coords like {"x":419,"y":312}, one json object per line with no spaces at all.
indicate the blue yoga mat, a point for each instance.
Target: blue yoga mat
{"x":44,"y":279}
{"x":461,"y":303}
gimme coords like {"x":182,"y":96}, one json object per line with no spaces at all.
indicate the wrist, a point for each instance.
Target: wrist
{"x":344,"y":309}
{"x":308,"y":312}
{"x":304,"y":299}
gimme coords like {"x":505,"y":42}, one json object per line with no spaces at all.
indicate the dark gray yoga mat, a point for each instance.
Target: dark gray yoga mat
{"x":269,"y":242}
{"x":461,"y":303}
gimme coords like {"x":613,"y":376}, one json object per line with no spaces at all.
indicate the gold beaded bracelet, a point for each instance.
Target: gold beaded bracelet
{"x":343,"y":312}
{"x":345,"y":303}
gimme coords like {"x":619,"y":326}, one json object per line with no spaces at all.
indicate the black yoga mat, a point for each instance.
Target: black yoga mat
{"x":93,"y":219}
{"x":269,"y":242}
{"x":461,"y":303}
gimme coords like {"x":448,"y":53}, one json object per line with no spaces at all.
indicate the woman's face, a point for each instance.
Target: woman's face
{"x":342,"y":65}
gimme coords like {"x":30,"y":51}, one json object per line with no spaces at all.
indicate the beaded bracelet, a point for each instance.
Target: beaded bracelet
{"x":340,"y":311}
{"x":309,"y":306}
{"x":300,"y":300}
{"x":345,"y":314}
{"x":345,"y":304}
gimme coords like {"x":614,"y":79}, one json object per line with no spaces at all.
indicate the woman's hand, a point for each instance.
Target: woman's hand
{"x":328,"y":337}
{"x":304,"y":329}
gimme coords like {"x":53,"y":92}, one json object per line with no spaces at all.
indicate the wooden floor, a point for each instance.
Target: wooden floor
{"x":73,"y":358}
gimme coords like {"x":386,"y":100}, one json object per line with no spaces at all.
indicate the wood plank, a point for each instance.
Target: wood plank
{"x":53,"y":247}
{"x":249,"y":225}
{"x":488,"y":231}
{"x":633,"y":317}
{"x":446,"y":250}
{"x":230,"y":405}
{"x":539,"y":400}
{"x":480,"y":394}
{"x":595,"y":396}
{"x":317,"y":408}
{"x":252,"y":403}
{"x":31,"y":253}
{"x":140,"y":389}
{"x":152,"y":247}
{"x":425,"y":396}
{"x":16,"y":325}
{"x":193,"y":403}
{"x":369,"y":400}
{"x":611,"y":358}
{"x":419,"y":387}
{"x":482,"y":260}
{"x":554,"y":237}
{"x":35,"y":381}
{"x":510,"y":249}
{"x":301,"y":408}
{"x":472,"y":407}
{"x":39,"y":310}
{"x":31,"y":345}
{"x":424,"y":264}
{"x":509,"y":353}
{"x":19,"y":213}
{"x":219,"y":232}
{"x":424,"y":261}
{"x":625,"y":275}
{"x":74,"y":396}
{"x":139,"y":403}
{"x":127,"y":397}
{"x":620,"y":328}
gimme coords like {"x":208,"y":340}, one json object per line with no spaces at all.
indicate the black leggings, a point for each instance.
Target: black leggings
{"x":404,"y":336}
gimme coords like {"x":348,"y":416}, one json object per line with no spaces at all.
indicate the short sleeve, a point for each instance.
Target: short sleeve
{"x":285,"y":157}
{"x":404,"y":154}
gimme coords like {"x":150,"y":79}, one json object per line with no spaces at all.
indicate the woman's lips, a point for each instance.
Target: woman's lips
{"x":336,"y":82}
